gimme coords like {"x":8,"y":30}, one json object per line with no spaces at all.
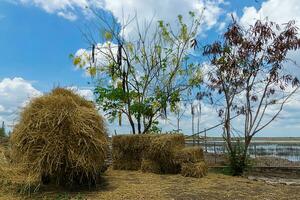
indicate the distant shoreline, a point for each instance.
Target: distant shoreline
{"x":276,"y":140}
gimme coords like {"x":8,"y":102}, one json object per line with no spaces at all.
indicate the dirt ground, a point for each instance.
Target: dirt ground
{"x":137,"y":185}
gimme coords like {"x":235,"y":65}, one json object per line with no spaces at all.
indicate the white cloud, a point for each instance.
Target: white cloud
{"x":87,"y":93}
{"x":52,"y":6}
{"x":273,"y":10}
{"x":63,"y":8}
{"x":2,"y":108}
{"x":103,"y":53}
{"x":164,"y":10}
{"x":67,"y":15}
{"x":14,"y":94}
{"x":146,"y":9}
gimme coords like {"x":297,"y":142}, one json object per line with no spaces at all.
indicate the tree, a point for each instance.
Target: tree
{"x":179,"y":112}
{"x":143,"y":77}
{"x":250,"y":73}
{"x":2,"y":130}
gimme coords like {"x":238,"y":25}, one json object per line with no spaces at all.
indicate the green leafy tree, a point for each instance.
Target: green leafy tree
{"x":142,"y":78}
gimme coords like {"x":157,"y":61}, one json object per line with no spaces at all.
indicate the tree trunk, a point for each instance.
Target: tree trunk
{"x":178,"y":121}
{"x":227,"y":129}
{"x":131,"y":124}
{"x":139,"y":123}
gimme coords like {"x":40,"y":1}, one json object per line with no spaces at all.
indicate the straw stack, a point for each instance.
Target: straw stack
{"x":62,"y":138}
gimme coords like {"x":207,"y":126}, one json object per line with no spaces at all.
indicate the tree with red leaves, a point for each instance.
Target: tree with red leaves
{"x":249,"y":72}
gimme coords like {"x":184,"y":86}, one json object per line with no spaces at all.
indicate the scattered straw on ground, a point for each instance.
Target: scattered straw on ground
{"x":135,"y":185}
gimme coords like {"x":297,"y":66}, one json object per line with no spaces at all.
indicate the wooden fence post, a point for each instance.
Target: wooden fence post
{"x":215,"y":152}
{"x":193,"y":140}
{"x":205,"y":140}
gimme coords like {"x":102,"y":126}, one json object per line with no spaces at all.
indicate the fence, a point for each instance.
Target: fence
{"x":263,"y":153}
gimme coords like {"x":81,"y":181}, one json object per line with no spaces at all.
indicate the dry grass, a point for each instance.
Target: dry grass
{"x":162,"y":151}
{"x":136,"y":185}
{"x":196,"y":170}
{"x":150,"y":166}
{"x":60,"y":136}
{"x":129,"y":151}
{"x":189,"y":155}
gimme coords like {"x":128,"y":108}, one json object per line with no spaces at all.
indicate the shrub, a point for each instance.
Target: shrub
{"x":238,"y":160}
{"x":61,"y":137}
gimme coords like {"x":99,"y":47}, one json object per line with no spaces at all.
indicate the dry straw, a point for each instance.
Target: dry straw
{"x":150,"y":166}
{"x":163,"y":149}
{"x":189,"y":155}
{"x":128,"y":150}
{"x":61,"y":136}
{"x":133,"y":152}
{"x":197,"y":170}
{"x":159,"y":154}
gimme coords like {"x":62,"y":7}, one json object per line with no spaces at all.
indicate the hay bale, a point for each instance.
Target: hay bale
{"x":163,"y":149}
{"x":196,"y":170}
{"x":189,"y":155}
{"x":60,"y":135}
{"x":128,"y":151}
{"x":150,"y":166}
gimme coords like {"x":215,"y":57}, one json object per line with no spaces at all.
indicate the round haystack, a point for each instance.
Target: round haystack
{"x":62,"y":138}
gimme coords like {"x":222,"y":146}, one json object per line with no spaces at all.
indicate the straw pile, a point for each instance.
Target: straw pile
{"x":162,"y":151}
{"x":62,"y":138}
{"x":197,"y":170}
{"x":160,"y":154}
{"x":13,"y":177}
{"x":16,"y":178}
{"x":191,"y":160}
{"x":128,"y":151}
{"x":150,"y":166}
{"x":149,"y":152}
{"x":189,"y":155}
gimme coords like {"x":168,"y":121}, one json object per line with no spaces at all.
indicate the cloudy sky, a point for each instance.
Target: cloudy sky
{"x":37,"y":36}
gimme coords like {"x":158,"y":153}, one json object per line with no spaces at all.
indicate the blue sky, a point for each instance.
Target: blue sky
{"x":36,"y":46}
{"x":37,"y":36}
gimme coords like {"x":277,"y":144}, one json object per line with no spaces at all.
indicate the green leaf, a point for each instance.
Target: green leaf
{"x":76,"y":60}
{"x":108,"y":35}
{"x":92,"y":71}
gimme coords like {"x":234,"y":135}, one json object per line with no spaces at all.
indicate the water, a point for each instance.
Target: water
{"x":285,"y":150}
